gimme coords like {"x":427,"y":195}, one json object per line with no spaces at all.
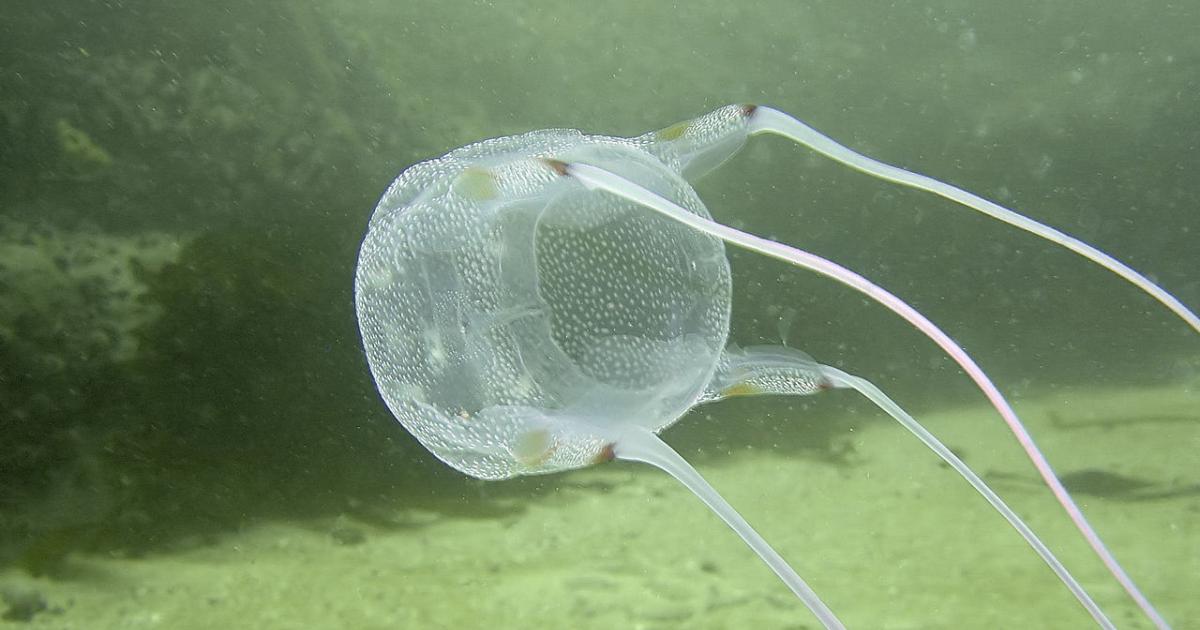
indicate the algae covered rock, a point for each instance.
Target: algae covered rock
{"x":70,"y":303}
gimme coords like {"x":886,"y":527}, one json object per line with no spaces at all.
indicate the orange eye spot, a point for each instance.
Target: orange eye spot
{"x":606,"y":454}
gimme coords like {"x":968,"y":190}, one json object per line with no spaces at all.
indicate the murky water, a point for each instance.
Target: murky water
{"x":183,"y":190}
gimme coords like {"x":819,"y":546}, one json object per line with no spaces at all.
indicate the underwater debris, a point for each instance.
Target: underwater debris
{"x":80,"y":153}
{"x":70,"y":306}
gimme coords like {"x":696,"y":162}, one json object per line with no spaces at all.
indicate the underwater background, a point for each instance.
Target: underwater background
{"x":189,"y":435}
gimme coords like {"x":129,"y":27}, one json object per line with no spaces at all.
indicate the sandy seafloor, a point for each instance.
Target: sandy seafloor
{"x":894,"y":540}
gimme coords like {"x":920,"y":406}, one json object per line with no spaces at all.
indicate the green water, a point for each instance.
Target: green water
{"x":183,"y":188}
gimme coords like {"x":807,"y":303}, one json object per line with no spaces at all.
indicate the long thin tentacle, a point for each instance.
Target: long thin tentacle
{"x":768,"y":120}
{"x":600,"y":179}
{"x":639,"y":444}
{"x":866,"y":388}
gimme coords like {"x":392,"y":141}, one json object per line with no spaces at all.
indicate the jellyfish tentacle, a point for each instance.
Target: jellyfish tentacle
{"x":596,"y":178}
{"x":842,"y":379}
{"x":642,"y":445}
{"x":772,"y":121}
{"x":769,"y":370}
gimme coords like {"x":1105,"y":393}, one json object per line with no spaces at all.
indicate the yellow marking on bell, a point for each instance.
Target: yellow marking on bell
{"x":741,"y":389}
{"x":674,"y":132}
{"x":534,"y":447}
{"x":476,"y":183}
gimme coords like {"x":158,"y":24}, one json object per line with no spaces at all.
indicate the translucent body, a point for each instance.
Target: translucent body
{"x":512,"y":319}
{"x":553,"y":300}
